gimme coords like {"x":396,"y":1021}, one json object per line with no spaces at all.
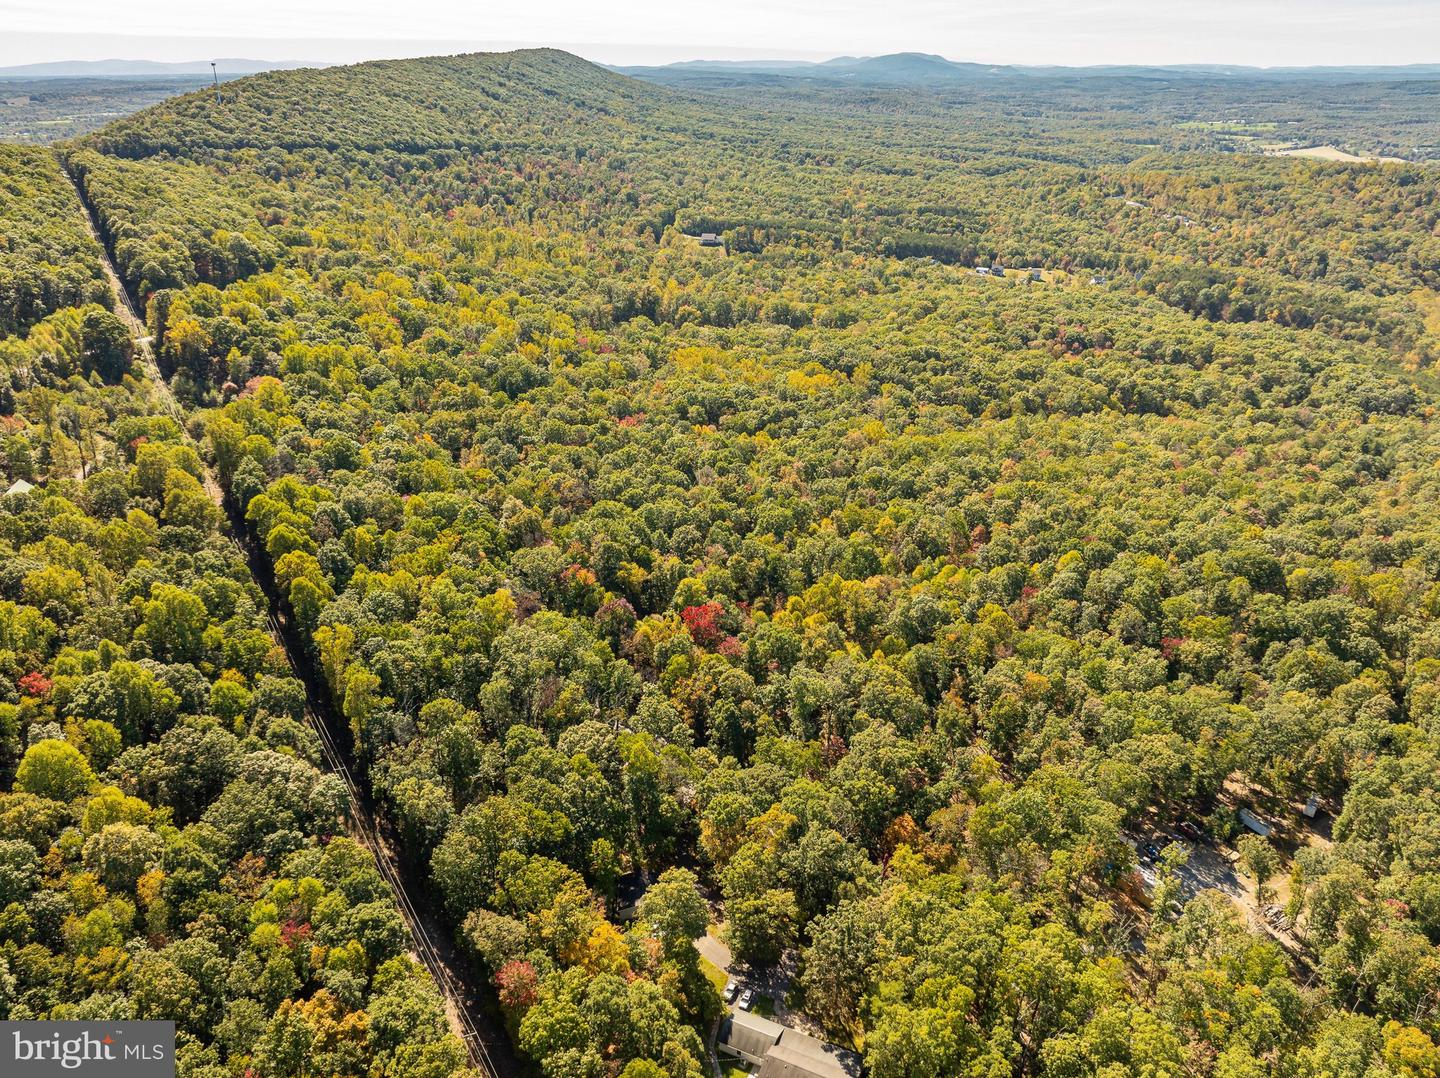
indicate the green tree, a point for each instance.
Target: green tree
{"x":107,"y":347}
{"x":676,"y":913}
{"x":759,"y":929}
{"x":19,"y":870}
{"x":1260,"y":861}
{"x":54,"y":769}
{"x":120,"y":853}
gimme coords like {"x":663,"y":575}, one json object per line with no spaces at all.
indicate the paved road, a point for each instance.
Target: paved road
{"x":713,"y":948}
{"x":774,"y":982}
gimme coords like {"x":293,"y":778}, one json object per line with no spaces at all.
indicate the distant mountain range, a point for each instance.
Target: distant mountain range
{"x":912,"y":68}
{"x":894,"y":69}
{"x":116,"y":69}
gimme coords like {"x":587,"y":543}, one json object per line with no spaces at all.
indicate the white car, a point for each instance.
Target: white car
{"x":731,"y":989}
{"x":747,"y":999}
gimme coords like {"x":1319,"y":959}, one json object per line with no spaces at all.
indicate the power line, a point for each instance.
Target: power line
{"x":362,"y":823}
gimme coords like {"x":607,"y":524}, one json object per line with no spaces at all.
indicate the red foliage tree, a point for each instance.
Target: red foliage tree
{"x":518,"y":984}
{"x":703,"y":623}
{"x":35,"y":684}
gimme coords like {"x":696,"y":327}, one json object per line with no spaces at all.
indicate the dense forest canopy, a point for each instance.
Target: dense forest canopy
{"x":169,"y":845}
{"x":939,"y":629}
{"x":47,"y":258}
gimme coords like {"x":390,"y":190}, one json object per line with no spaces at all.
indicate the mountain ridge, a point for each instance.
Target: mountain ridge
{"x":903,"y":68}
{"x":463,"y":101}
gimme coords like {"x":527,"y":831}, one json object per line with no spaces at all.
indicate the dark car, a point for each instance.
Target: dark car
{"x":1190,"y":831}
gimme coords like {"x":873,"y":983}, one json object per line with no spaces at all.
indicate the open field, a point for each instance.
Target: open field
{"x":51,"y":109}
{"x":1330,"y":153}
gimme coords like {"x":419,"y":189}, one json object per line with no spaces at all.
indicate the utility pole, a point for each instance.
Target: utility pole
{"x":216,"y":77}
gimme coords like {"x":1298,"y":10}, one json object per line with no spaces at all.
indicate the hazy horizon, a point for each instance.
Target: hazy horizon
{"x":1259,"y":33}
{"x":342,"y":51}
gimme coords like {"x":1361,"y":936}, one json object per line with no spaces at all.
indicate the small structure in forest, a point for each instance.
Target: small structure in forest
{"x":1254,"y":823}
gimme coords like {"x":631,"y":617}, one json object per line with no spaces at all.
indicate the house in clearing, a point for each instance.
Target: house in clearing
{"x":748,"y":1036}
{"x":709,"y":239}
{"x":782,"y":1052}
{"x":800,"y":1056}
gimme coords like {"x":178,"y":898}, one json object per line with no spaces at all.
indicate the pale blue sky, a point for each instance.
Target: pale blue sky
{"x":1261,"y":32}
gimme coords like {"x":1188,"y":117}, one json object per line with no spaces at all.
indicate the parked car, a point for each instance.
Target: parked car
{"x":747,"y":999}
{"x":1190,"y":831}
{"x":732,"y":988}
{"x":1152,"y":852}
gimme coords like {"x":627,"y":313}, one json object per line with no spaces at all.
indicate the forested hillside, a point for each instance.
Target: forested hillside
{"x":471,"y":102}
{"x":169,"y":848}
{"x":47,"y":258}
{"x":943,"y":628}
